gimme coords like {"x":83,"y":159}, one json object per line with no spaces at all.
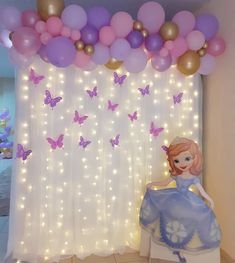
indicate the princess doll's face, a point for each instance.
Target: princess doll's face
{"x":183,"y":161}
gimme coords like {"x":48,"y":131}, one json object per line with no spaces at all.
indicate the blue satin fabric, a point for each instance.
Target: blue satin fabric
{"x":175,"y":216}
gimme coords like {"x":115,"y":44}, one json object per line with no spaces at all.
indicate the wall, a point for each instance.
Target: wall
{"x":219,"y":126}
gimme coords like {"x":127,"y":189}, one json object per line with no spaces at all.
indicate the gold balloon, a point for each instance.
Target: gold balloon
{"x":169,"y":31}
{"x":202,"y":52}
{"x":138,"y":25}
{"x":47,"y":8}
{"x":205,"y":45}
{"x":145,"y":32}
{"x":188,"y":63}
{"x":79,"y":45}
{"x":113,"y":64}
{"x":89,"y":49}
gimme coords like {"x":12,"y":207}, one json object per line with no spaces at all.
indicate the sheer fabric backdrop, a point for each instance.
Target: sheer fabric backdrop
{"x":75,"y":201}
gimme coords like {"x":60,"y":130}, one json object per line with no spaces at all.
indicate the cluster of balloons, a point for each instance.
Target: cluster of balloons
{"x":69,"y":35}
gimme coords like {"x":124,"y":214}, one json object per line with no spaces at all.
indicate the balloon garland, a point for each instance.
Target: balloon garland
{"x":65,"y":36}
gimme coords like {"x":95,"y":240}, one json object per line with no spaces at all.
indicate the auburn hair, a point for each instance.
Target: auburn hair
{"x":185,"y":145}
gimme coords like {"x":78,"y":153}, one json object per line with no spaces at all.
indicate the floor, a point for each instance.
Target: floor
{"x":126,"y":258}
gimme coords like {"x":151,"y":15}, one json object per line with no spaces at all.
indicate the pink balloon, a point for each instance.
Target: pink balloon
{"x":136,"y":61}
{"x":19,"y":60}
{"x":101,"y":55}
{"x":75,"y":35}
{"x":122,"y":24}
{"x":186,"y":22}
{"x":207,"y":65}
{"x":169,"y":44}
{"x":45,"y":37}
{"x":26,"y":41}
{"x":180,"y":47}
{"x":54,"y":25}
{"x":161,"y":63}
{"x":195,"y":40}
{"x":152,"y":15}
{"x":65,"y":31}
{"x":82,"y":59}
{"x":29,"y":18}
{"x":216,"y":46}
{"x":107,"y":35}
{"x":40,"y":27}
{"x":164,"y":52}
{"x":90,"y":67}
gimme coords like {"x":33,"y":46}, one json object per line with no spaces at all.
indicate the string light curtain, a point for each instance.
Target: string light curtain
{"x":79,"y":200}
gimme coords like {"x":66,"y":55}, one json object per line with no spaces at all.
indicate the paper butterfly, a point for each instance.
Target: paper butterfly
{"x":5,"y":134}
{"x":144,"y":91}
{"x":5,"y":115}
{"x":50,"y":100}
{"x":111,"y":106}
{"x":22,"y":153}
{"x":79,"y":119}
{"x":115,"y":142}
{"x":133,"y":116}
{"x":6,"y":145}
{"x":35,"y":78}
{"x":178,"y":98}
{"x":92,"y":93}
{"x":83,"y":143}
{"x":155,"y":131}
{"x":119,"y":79}
{"x":56,"y":143}
{"x":165,"y":148}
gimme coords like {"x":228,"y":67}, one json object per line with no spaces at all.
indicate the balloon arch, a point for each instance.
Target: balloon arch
{"x":65,"y":36}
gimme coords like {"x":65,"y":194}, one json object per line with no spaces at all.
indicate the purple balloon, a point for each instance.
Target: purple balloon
{"x":207,"y":65}
{"x":90,"y":35}
{"x":120,"y":49}
{"x":60,"y":51}
{"x":10,"y":17}
{"x":101,"y":55}
{"x":29,"y":18}
{"x":208,"y":25}
{"x":161,"y":63}
{"x":136,"y":60}
{"x":154,"y":43}
{"x":135,"y":38}
{"x":98,"y":17}
{"x":43,"y":53}
{"x":26,"y":41}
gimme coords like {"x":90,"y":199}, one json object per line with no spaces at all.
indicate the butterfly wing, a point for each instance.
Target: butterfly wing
{"x":86,"y":143}
{"x":147,"y":91}
{"x":31,"y":75}
{"x":82,"y":119}
{"x":94,"y":91}
{"x":152,"y":128}
{"x":76,"y":116}
{"x":90,"y":93}
{"x":48,"y":98}
{"x":55,"y":101}
{"x":165,"y":148}
{"x":121,"y":79}
{"x":52,"y":143}
{"x":157,"y":131}
{"x":116,"y":141}
{"x":59,"y":141}
{"x":38,"y":79}
{"x":19,"y":151}
{"x":116,"y":78}
{"x":81,"y":141}
{"x":26,"y":154}
{"x":141,"y":91}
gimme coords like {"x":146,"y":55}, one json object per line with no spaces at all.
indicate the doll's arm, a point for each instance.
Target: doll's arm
{"x":161,"y":183}
{"x":205,"y":195}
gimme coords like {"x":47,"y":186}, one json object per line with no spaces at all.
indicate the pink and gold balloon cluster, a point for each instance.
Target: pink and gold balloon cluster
{"x":69,"y":35}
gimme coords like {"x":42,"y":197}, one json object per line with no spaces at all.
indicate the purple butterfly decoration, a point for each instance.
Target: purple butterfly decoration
{"x":5,"y":115}
{"x":58,"y":143}
{"x":84,"y":143}
{"x":111,"y":106}
{"x":22,"y":153}
{"x":133,"y":116}
{"x":119,"y":79}
{"x":51,"y":101}
{"x":115,"y":142}
{"x":79,"y":119}
{"x":144,"y":91}
{"x":178,"y":98}
{"x":155,"y":131}
{"x":34,"y":77}
{"x":92,"y":93}
{"x":165,"y":148}
{"x":5,"y":134}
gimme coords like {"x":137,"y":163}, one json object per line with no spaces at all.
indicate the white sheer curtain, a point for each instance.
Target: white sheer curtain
{"x":73,"y":201}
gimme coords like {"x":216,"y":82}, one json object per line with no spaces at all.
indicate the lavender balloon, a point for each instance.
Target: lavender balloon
{"x":208,"y":25}
{"x":90,"y":35}
{"x":60,"y":51}
{"x":154,"y":43}
{"x":120,"y":49}
{"x":74,"y":16}
{"x":136,"y":60}
{"x":135,"y":38}
{"x":101,"y":55}
{"x":43,"y":54}
{"x":10,"y":17}
{"x":98,"y":17}
{"x":161,"y":63}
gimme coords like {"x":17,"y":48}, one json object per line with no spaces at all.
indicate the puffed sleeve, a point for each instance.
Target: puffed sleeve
{"x":196,"y":180}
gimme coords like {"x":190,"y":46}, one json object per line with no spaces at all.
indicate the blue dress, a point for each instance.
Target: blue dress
{"x":179,"y":219}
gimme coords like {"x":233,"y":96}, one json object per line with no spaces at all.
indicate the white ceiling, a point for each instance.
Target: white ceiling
{"x":131,"y":6}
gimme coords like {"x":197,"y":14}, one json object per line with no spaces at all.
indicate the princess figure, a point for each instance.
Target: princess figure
{"x":177,"y":217}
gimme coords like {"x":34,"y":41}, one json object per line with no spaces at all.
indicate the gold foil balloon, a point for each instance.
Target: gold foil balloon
{"x":79,"y":45}
{"x":48,"y":8}
{"x":145,"y":32}
{"x":113,"y":64}
{"x":138,"y":26}
{"x":202,"y":52}
{"x":169,"y":31}
{"x":188,"y":63}
{"x":89,"y":49}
